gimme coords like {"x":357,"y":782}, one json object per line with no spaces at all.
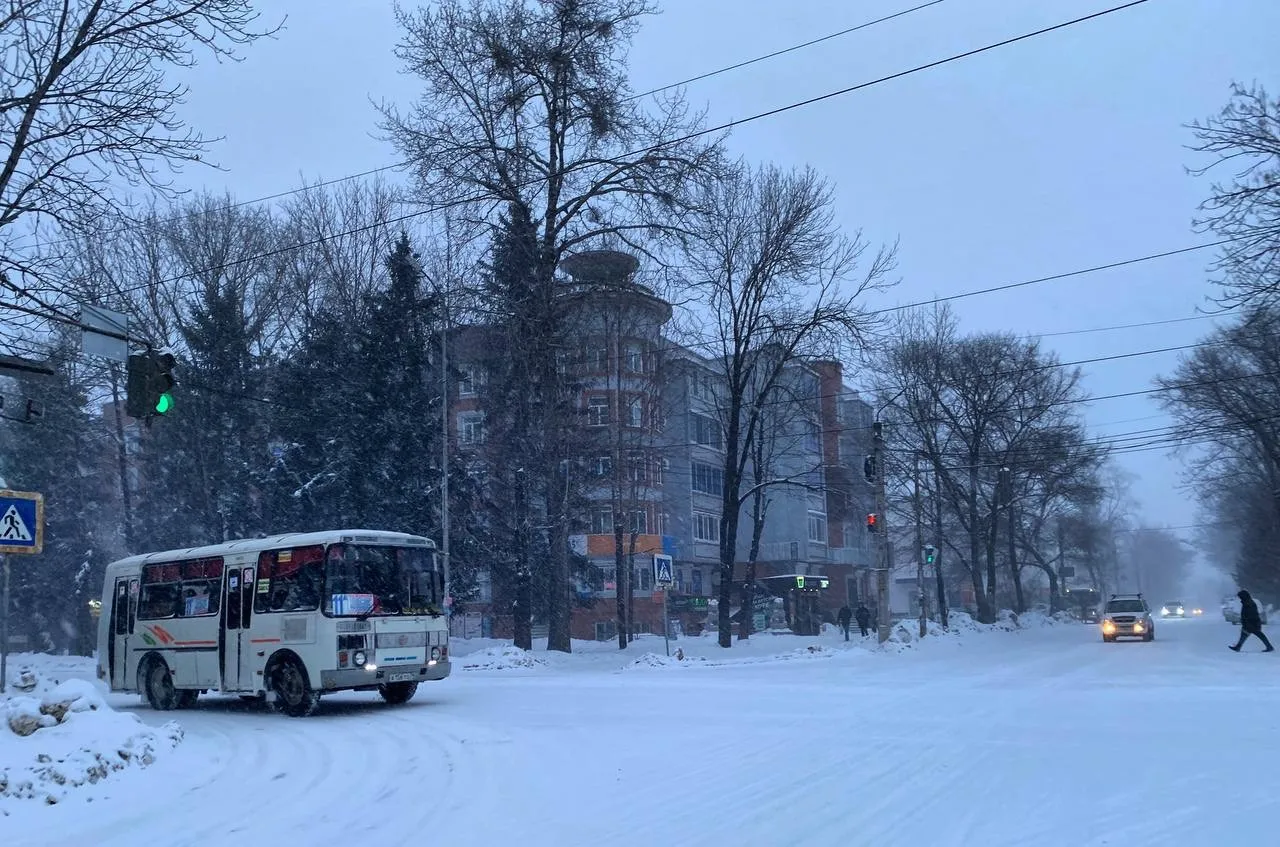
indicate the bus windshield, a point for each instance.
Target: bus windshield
{"x":364,"y":580}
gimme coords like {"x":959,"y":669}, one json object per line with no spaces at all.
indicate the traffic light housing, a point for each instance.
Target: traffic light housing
{"x":873,"y":522}
{"x":149,"y":383}
{"x":869,"y":469}
{"x":930,"y":554}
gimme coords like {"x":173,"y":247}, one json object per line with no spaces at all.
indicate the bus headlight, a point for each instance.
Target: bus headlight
{"x":435,"y":654}
{"x":359,"y":658}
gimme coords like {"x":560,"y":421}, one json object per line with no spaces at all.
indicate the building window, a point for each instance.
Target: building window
{"x":638,"y":469}
{"x":660,"y":471}
{"x":598,"y":411}
{"x":818,"y":527}
{"x":812,"y":436}
{"x":635,"y":413}
{"x":696,"y":580}
{"x":706,"y":527}
{"x":602,"y":466}
{"x":640,"y":522}
{"x":484,"y":587}
{"x":634,"y":359}
{"x":562,"y":363}
{"x":707,"y":432}
{"x":470,"y":378}
{"x":664,"y":523}
{"x":471,"y":428}
{"x":642,"y":579}
{"x":601,"y":521}
{"x":600,"y":360}
{"x":679,"y":575}
{"x":708,"y":479}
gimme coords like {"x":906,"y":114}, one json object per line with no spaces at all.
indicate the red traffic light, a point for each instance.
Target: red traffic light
{"x":872,"y":522}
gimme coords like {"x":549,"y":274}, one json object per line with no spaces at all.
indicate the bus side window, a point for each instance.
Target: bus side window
{"x":120,"y":611}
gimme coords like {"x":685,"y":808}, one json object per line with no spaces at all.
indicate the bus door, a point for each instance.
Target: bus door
{"x":237,"y":615}
{"x":124,"y":612}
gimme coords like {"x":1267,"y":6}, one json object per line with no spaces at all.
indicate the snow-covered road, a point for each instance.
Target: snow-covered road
{"x":1039,"y":737}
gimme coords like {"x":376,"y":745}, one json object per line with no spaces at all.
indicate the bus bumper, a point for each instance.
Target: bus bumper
{"x":347,"y":678}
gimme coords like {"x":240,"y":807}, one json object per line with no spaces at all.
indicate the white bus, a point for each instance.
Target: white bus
{"x":284,"y":619}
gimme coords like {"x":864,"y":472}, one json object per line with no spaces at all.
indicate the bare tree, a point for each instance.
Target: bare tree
{"x":776,"y":282}
{"x":527,"y":105}
{"x":1224,"y":397}
{"x":1245,"y":136}
{"x":85,"y":101}
{"x":990,"y":414}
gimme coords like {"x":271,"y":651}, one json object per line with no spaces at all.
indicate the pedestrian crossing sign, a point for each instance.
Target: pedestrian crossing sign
{"x":21,"y":522}
{"x":662,"y":569}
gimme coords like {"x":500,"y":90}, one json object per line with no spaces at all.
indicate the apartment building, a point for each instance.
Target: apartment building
{"x":652,"y":410}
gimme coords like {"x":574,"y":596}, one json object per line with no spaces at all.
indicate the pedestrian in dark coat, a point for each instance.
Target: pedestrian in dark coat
{"x":1250,"y":622}
{"x":846,"y":615}
{"x":863,"y":616}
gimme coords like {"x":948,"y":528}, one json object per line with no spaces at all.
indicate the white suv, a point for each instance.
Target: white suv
{"x":1127,"y":616}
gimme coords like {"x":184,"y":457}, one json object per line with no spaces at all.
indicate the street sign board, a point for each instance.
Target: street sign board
{"x":21,"y":522}
{"x":104,"y":333}
{"x":663,"y":573}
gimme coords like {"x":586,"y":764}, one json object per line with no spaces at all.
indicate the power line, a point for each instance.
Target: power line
{"x":1057,"y":277}
{"x":784,"y":51}
{"x":396,"y":165}
{"x":690,"y":137}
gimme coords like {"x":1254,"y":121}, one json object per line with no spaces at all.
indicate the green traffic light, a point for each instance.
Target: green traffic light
{"x":164,"y":404}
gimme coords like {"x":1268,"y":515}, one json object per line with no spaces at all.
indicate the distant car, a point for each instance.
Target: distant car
{"x":1173,"y":609}
{"x":1197,"y":611}
{"x":1127,"y":616}
{"x":1089,"y":615}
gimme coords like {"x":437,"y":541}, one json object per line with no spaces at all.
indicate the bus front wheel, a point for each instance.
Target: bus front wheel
{"x":396,"y":693}
{"x":294,"y":695}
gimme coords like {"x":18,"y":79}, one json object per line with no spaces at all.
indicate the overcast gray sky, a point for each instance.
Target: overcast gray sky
{"x":1053,"y":154}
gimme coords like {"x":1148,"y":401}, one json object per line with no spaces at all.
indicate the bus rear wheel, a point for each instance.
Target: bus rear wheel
{"x":157,"y":684}
{"x":396,"y":693}
{"x":294,"y":695}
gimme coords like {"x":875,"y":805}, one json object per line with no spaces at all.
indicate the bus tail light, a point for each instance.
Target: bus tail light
{"x":343,"y":656}
{"x":444,"y":652}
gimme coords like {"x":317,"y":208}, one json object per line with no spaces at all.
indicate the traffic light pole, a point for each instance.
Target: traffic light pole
{"x":882,"y":535}
{"x":919,"y":507}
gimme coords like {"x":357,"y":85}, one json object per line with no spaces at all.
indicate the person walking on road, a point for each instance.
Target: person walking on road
{"x":846,"y":615}
{"x":863,"y":616}
{"x":1250,"y":623}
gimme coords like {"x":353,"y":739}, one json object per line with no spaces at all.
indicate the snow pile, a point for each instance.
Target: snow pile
{"x":653,"y":660}
{"x":1036,"y":619}
{"x":500,"y":659}
{"x":57,"y":737}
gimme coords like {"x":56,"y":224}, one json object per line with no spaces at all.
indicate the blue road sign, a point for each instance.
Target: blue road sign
{"x":662,"y":569}
{"x":21,"y":522}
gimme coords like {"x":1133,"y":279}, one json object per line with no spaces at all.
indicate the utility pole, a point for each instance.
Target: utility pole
{"x":919,"y":507}
{"x":882,"y":533}
{"x":444,"y":461}
{"x":937,"y":556}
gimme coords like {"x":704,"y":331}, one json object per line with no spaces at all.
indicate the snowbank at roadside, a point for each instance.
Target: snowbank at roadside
{"x":59,"y":737}
{"x":646,"y":652}
{"x":507,"y":657}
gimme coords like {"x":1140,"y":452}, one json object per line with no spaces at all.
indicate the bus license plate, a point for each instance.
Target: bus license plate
{"x":399,"y":677}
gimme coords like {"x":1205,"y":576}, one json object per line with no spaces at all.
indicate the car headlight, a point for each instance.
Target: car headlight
{"x":1139,"y":628}
{"x":359,"y":658}
{"x":1108,"y":626}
